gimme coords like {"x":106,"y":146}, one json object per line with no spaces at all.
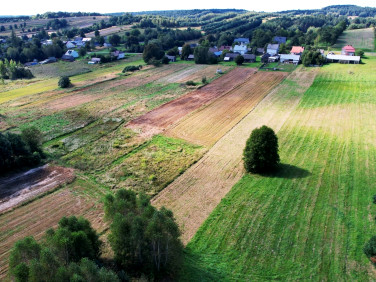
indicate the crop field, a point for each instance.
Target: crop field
{"x":311,"y":219}
{"x":209,"y":124}
{"x":194,"y":73}
{"x":78,"y":198}
{"x":194,"y":195}
{"x":110,"y":30}
{"x":78,"y":22}
{"x":159,"y":119}
{"x":359,"y":38}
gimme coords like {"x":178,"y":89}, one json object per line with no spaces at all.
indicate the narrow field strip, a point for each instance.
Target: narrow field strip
{"x":194,"y":195}
{"x":159,"y":119}
{"x":209,"y":124}
{"x":36,"y":217}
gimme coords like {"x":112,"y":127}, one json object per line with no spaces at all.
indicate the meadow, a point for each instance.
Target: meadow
{"x":311,"y":219}
{"x":359,"y":38}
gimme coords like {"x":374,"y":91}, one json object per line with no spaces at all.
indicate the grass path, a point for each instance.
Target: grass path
{"x":194,"y":195}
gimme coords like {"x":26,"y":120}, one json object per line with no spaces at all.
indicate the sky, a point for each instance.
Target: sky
{"x":33,"y":7}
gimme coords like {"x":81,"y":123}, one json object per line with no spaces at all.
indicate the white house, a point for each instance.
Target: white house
{"x":72,"y":53}
{"x":272,"y":49}
{"x":242,"y":49}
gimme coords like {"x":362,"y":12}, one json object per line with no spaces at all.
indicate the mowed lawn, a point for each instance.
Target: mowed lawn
{"x":311,"y":219}
{"x":359,"y":38}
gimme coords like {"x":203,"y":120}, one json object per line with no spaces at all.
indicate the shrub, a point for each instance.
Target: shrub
{"x":261,"y":151}
{"x":131,"y":68}
{"x":64,"y":82}
{"x":370,"y":247}
{"x":360,"y":53}
{"x":190,"y":83}
{"x":374,"y":199}
{"x":239,"y":60}
{"x":165,"y":60}
{"x":204,"y":80}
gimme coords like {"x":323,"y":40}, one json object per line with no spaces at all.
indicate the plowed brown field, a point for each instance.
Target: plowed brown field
{"x":194,"y":195}
{"x":208,"y":125}
{"x":159,"y":119}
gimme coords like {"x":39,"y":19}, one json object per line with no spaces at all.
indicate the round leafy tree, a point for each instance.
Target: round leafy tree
{"x":152,"y":51}
{"x":239,"y":60}
{"x":261,"y":151}
{"x":370,"y":249}
{"x":64,"y":82}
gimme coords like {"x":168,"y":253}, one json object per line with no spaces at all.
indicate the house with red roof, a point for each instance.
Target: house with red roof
{"x":348,"y":50}
{"x":297,"y":50}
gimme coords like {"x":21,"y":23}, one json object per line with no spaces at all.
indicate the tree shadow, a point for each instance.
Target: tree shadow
{"x":288,"y":171}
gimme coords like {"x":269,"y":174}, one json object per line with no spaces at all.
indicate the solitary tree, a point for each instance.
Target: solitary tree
{"x":64,"y":82}
{"x":261,"y":151}
{"x":151,"y":52}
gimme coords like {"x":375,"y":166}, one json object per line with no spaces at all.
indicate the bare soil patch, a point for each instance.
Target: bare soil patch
{"x":22,"y":187}
{"x":159,"y":119}
{"x":209,"y":124}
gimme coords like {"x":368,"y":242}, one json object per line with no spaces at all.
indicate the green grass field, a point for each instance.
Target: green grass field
{"x":311,"y":219}
{"x":359,"y":38}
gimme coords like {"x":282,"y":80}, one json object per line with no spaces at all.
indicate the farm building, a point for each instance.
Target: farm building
{"x":272,"y":49}
{"x":343,"y":59}
{"x":273,"y":59}
{"x":230,"y":57}
{"x":241,"y":41}
{"x":191,"y":57}
{"x":249,"y":58}
{"x":290,"y":59}
{"x":72,"y":53}
{"x":260,"y":50}
{"x":94,"y":61}
{"x":297,"y":50}
{"x":67,"y":58}
{"x":171,"y":58}
{"x":348,"y":50}
{"x":279,"y":39}
{"x":241,"y":49}
{"x":213,"y":49}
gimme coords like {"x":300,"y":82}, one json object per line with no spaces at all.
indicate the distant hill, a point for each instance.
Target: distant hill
{"x":343,"y":10}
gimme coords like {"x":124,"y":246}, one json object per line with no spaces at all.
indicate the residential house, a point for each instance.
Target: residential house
{"x":70,"y":45}
{"x":72,"y":53}
{"x":107,"y":45}
{"x":279,"y":39}
{"x":67,"y":58}
{"x":272,"y":49}
{"x":290,"y":59}
{"x":348,"y":50}
{"x":213,"y":49}
{"x":191,"y":57}
{"x":343,"y":59}
{"x":86,"y":40}
{"x":217,"y":54}
{"x":249,"y":58}
{"x":297,"y":50}
{"x":260,"y":51}
{"x":171,"y":58}
{"x":222,"y":48}
{"x":118,"y":54}
{"x":94,"y":61}
{"x":241,"y":49}
{"x":241,"y":41}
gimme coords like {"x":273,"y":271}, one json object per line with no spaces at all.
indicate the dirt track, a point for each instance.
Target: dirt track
{"x":162,"y":117}
{"x":195,"y":194}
